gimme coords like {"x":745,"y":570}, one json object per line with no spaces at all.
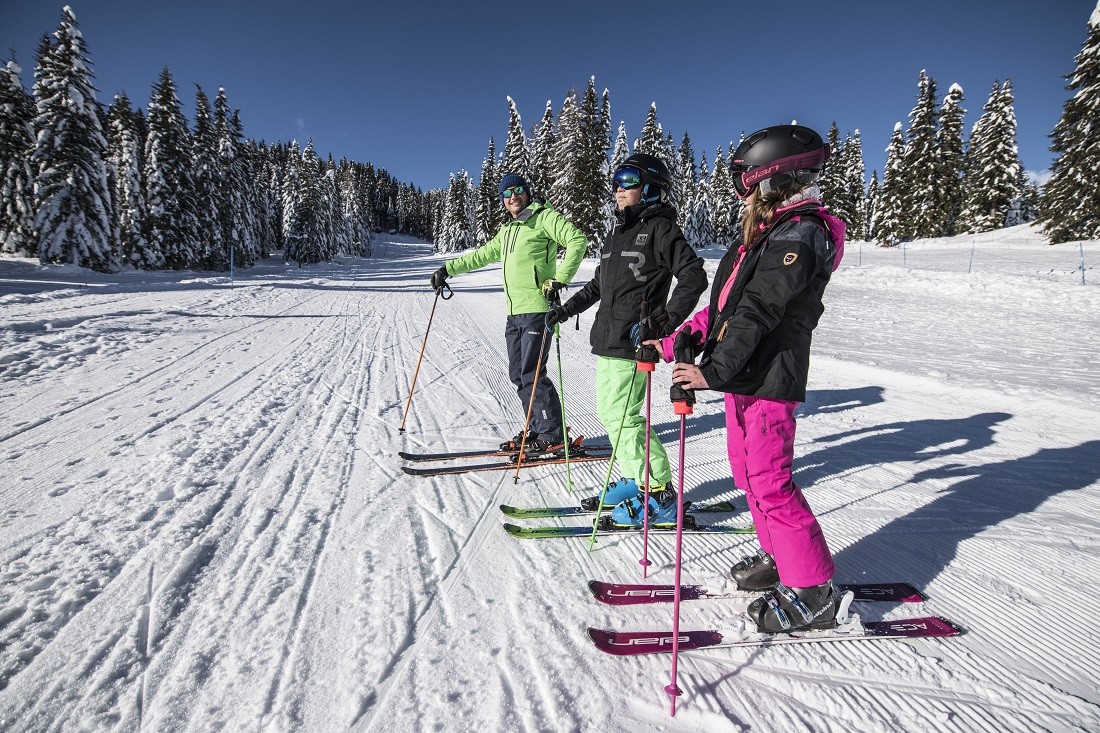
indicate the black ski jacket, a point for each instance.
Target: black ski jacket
{"x":759,"y":344}
{"x":640,"y":256}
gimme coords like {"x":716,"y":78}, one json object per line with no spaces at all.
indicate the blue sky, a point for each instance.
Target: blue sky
{"x":418,"y":88}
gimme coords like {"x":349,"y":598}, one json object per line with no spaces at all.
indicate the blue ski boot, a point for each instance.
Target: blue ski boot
{"x":661,"y":506}
{"x":617,"y":493}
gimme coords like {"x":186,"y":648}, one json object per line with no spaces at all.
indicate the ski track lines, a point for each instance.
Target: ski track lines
{"x":254,"y":559}
{"x":84,"y":552}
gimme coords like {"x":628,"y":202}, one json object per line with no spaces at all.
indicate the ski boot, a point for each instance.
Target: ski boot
{"x":512,"y":446}
{"x":615,"y":494}
{"x":661,"y":507}
{"x":553,"y":446}
{"x":782,"y":610}
{"x":755,"y":572}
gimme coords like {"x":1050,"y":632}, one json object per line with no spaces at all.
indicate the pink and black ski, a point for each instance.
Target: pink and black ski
{"x":627,"y":594}
{"x":631,"y":643}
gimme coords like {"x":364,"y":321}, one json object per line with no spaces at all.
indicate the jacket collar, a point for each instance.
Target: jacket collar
{"x":642,"y":210}
{"x":530,"y":211}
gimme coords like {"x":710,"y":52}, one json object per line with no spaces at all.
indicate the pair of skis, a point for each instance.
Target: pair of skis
{"x":691,"y":526}
{"x":579,"y":452}
{"x":849,"y":627}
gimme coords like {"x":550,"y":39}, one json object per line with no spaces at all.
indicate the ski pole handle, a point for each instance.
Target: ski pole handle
{"x":684,"y":350}
{"x":644,"y":354}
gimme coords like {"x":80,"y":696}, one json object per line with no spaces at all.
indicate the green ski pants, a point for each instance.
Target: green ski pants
{"x":614,"y":394}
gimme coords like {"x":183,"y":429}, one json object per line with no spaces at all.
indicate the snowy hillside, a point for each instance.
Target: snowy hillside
{"x":204,"y":524}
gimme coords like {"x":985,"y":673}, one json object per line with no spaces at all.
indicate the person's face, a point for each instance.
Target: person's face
{"x":624,"y":197}
{"x":516,"y":202}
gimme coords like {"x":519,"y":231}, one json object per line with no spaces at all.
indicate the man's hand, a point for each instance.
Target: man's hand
{"x":550,"y":289}
{"x":439,"y":277}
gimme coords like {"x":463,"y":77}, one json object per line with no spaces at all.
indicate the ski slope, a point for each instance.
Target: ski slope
{"x":204,"y":524}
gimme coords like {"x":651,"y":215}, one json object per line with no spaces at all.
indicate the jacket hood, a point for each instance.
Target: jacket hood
{"x":837,"y":228}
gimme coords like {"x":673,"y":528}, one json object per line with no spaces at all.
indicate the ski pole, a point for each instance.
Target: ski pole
{"x":611,"y":461}
{"x":531,"y":407}
{"x":646,"y":366}
{"x":646,"y":356}
{"x":555,"y":299}
{"x":682,"y":401}
{"x":564,"y":424}
{"x":416,"y":373}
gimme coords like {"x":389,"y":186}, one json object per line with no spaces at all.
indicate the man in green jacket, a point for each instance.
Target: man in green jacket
{"x":527,"y":248}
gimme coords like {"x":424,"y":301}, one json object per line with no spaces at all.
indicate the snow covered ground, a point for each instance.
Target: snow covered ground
{"x":204,"y":524}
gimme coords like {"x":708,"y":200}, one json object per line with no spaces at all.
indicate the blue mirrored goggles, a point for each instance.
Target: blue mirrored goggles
{"x":627,"y":178}
{"x":513,"y":191}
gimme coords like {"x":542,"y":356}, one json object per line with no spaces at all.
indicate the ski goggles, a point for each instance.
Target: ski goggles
{"x":627,"y":178}
{"x":746,"y":177}
{"x":513,"y":191}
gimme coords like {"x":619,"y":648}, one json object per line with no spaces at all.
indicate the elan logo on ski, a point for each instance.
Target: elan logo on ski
{"x":648,"y":640}
{"x":653,"y":593}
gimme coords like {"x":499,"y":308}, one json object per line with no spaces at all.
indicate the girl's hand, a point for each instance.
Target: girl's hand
{"x":688,"y":376}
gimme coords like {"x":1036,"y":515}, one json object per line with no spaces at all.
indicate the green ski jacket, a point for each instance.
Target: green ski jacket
{"x":527,"y":248}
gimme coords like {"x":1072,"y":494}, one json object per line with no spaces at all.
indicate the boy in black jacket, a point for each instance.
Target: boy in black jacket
{"x":639,"y":260}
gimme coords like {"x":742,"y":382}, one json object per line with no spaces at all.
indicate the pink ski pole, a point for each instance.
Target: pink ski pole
{"x":682,"y":401}
{"x":647,"y":362}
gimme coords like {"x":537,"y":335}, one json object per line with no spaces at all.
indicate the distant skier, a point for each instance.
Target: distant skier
{"x":764,"y":304}
{"x":639,"y":260}
{"x":527,"y":248}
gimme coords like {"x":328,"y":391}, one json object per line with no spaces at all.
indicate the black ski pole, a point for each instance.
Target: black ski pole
{"x":412,"y":387}
{"x":646,"y":355}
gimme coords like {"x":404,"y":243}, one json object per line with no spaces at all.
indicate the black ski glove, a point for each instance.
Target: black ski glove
{"x":556,"y":314}
{"x":658,"y":325}
{"x":661,"y":323}
{"x":439,"y":277}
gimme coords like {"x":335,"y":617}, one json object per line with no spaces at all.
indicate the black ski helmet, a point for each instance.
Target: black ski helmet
{"x":778,"y":156}
{"x":655,"y":176}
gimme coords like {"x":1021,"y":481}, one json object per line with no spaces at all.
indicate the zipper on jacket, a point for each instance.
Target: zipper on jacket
{"x":509,"y":247}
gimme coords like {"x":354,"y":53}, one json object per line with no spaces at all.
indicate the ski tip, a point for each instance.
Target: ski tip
{"x":950,"y":628}
{"x":599,"y":637}
{"x":909,"y":594}
{"x":506,"y":509}
{"x":513,"y":529}
{"x":923,"y":627}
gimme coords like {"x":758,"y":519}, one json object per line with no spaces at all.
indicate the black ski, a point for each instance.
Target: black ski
{"x":504,"y":465}
{"x":574,"y":450}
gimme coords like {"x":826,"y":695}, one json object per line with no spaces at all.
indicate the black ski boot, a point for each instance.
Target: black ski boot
{"x":553,"y":446}
{"x":782,"y":610}
{"x":755,"y":572}
{"x":513,"y":444}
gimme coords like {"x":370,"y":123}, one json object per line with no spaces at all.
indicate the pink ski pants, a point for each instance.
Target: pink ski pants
{"x":760,"y":440}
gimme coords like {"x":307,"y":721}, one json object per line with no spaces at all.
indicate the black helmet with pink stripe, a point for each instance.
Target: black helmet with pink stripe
{"x":777,"y":157}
